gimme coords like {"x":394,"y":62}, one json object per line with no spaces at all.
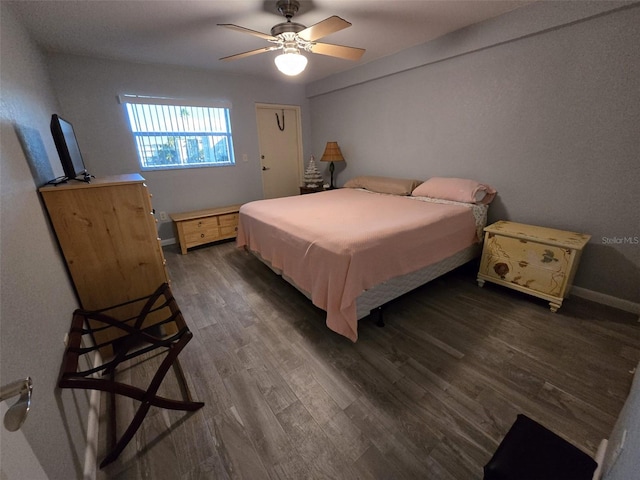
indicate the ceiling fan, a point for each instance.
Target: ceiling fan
{"x":291,"y":38}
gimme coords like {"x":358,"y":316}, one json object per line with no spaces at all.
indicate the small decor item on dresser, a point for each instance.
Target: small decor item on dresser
{"x":312,"y":177}
{"x":539,"y":261}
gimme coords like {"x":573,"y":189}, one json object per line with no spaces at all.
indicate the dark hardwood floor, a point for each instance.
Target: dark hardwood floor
{"x":429,"y":396}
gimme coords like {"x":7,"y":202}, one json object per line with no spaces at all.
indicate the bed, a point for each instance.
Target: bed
{"x":353,"y":249}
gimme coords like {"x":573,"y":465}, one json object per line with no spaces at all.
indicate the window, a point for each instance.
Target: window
{"x":172,"y":133}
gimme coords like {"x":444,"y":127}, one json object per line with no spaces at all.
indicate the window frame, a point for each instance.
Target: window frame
{"x":129,"y":100}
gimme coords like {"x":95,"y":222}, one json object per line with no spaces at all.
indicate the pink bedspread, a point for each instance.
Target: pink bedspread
{"x":338,"y":243}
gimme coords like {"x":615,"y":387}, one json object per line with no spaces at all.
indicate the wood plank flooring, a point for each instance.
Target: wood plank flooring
{"x":428,"y":396}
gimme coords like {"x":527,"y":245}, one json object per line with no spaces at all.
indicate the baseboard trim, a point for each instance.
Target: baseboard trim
{"x":168,"y":241}
{"x":609,"y":300}
{"x":93,"y":426}
{"x":599,"y":458}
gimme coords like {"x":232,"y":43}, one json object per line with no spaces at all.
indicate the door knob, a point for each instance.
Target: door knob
{"x":262,"y":157}
{"x":265,"y":168}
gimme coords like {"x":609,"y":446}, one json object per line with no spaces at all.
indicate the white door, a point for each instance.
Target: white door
{"x":280,"y":140}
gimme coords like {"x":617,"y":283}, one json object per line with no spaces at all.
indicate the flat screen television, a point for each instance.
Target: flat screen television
{"x":68,"y":150}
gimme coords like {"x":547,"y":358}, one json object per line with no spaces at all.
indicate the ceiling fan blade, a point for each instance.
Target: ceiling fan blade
{"x":238,"y":28}
{"x":340,"y":51}
{"x":323,"y":28}
{"x":248,"y":54}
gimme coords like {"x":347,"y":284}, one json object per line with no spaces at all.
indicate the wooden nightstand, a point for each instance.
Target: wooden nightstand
{"x":539,"y":261}
{"x":206,"y":226}
{"x":305,"y":190}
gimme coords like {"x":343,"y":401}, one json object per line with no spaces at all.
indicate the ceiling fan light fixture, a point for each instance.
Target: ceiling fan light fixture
{"x":292,"y":38}
{"x":291,"y":64}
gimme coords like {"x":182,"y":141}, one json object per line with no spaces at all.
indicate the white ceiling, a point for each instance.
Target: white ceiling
{"x":184,"y":33}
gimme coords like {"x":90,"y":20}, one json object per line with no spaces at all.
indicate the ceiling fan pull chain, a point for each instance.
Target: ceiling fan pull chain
{"x":278,"y":120}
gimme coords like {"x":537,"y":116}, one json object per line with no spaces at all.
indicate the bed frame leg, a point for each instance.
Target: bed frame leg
{"x":376,"y":315}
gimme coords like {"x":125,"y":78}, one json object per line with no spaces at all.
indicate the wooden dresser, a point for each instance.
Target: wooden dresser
{"x":108,"y":237}
{"x":206,"y":226}
{"x":539,"y":261}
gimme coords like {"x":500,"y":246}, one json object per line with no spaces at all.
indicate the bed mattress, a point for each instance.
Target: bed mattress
{"x":339,"y":244}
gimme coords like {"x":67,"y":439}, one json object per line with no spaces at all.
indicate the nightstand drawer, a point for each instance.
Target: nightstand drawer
{"x":199,"y":225}
{"x":204,"y":235}
{"x":524,"y":274}
{"x":227,"y":231}
{"x":528,"y":252}
{"x":231,"y":219}
{"x":305,"y":190}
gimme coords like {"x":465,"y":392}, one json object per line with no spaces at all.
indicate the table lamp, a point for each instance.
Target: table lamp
{"x":332,"y":154}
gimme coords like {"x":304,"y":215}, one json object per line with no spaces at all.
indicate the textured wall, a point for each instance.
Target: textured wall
{"x":87,"y":89}
{"x":36,"y":297}
{"x":548,"y":114}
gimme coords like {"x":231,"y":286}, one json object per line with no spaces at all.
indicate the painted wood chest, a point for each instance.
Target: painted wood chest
{"x":536,"y":260}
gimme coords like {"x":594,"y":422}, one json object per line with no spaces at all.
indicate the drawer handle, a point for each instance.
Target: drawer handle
{"x":199,"y":224}
{"x":202,"y":235}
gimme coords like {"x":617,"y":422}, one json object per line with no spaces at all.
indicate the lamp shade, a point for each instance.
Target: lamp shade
{"x":291,"y":63}
{"x":332,"y":153}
